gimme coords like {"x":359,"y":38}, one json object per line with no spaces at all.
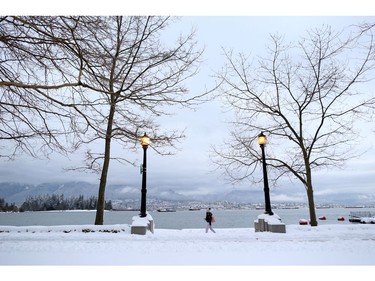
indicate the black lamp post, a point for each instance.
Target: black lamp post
{"x":262,"y":140}
{"x":145,"y":141}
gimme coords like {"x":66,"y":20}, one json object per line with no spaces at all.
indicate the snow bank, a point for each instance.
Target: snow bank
{"x":114,"y":245}
{"x":332,"y":245}
{"x":274,"y":219}
{"x":65,"y":229}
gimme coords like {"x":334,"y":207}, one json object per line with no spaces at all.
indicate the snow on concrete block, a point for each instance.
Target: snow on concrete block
{"x":137,"y":221}
{"x":270,"y":223}
{"x":141,"y":225}
{"x":270,"y":219}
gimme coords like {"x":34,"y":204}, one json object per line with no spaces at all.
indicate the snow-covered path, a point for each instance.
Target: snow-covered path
{"x":301,"y":245}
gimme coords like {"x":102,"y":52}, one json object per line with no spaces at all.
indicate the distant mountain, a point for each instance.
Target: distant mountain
{"x":17,"y":193}
{"x":168,"y":195}
{"x":347,"y":198}
{"x":243,"y":196}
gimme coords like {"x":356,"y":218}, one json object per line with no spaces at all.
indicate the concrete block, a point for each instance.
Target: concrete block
{"x":262,"y":225}
{"x":256,"y":226}
{"x":151,"y":225}
{"x":141,"y":230}
{"x":141,"y":225}
{"x":271,"y":223}
{"x":277,"y":228}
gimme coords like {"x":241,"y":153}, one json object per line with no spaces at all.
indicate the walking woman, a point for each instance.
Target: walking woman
{"x":209,"y":219}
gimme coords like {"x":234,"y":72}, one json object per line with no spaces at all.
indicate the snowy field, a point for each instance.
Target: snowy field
{"x":322,"y":246}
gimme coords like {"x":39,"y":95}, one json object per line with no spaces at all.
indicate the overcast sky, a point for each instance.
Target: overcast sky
{"x":190,"y":169}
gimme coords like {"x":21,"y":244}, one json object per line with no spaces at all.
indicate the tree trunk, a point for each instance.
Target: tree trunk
{"x":103,"y":178}
{"x":310,"y":197}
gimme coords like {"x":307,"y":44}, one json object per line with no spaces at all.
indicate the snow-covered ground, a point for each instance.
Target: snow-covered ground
{"x":333,"y":245}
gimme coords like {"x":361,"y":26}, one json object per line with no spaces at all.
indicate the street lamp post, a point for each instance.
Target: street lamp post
{"x":145,"y":141}
{"x":262,"y":140}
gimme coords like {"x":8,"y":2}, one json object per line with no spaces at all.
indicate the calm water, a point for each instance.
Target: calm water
{"x":175,"y":220}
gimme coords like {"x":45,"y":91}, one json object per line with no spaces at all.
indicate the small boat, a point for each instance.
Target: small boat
{"x":358,"y":216}
{"x":125,"y":209}
{"x":368,"y":220}
{"x":323,"y":218}
{"x":166,"y":210}
{"x":303,"y":222}
{"x":341,"y":219}
{"x":194,"y":209}
{"x":355,"y":219}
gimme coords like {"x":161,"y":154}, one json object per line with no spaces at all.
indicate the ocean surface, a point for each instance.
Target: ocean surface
{"x":176,"y":220}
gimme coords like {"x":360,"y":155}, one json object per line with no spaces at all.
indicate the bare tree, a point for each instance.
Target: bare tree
{"x":121,"y":77}
{"x":306,"y":98}
{"x":32,"y":67}
{"x":132,"y":76}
